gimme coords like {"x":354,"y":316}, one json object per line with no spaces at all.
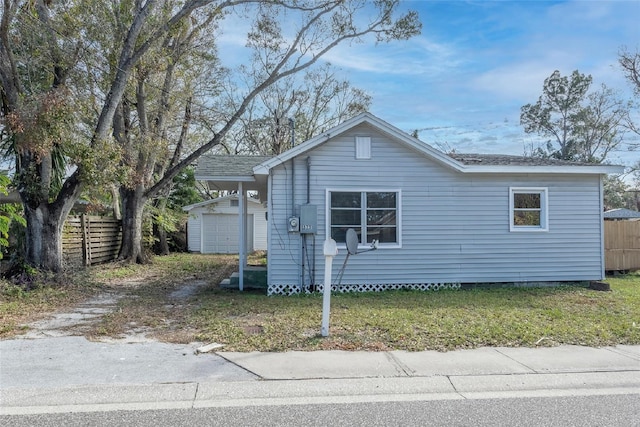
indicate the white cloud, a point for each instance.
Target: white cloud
{"x":414,"y":57}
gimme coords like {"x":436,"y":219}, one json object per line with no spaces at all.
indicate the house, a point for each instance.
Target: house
{"x":440,"y":220}
{"x":621,"y":214}
{"x":213,"y":225}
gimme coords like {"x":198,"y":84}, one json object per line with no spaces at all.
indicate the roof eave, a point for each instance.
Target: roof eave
{"x":229,"y":178}
{"x":599,"y":169}
{"x":214,"y":201}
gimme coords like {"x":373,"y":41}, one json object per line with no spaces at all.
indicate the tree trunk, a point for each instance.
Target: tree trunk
{"x":133,"y":202}
{"x":43,"y":237}
{"x":161,"y":246}
{"x":45,"y":221}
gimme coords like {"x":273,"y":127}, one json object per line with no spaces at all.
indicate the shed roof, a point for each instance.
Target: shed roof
{"x":228,"y":165}
{"x":621,"y":214}
{"x":224,"y":172}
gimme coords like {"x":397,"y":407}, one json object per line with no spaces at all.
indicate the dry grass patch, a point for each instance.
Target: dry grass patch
{"x":160,"y":296}
{"x":146,"y":304}
{"x":41,"y":296}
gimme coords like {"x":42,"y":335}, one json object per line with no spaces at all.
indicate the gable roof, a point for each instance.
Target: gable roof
{"x":368,"y":118}
{"x":465,"y":163}
{"x":621,"y":214}
{"x":216,"y":201}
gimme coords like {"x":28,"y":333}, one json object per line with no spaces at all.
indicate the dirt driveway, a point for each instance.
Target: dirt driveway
{"x":148,"y":307}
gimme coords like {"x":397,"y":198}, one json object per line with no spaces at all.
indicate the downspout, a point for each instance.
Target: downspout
{"x":293,"y":187}
{"x":308,"y":179}
{"x":312,"y":277}
{"x":292,"y":126}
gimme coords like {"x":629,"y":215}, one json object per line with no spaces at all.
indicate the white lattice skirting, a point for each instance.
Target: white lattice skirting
{"x":365,"y":287}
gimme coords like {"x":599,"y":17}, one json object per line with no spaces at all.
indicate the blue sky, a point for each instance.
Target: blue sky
{"x":463,"y":81}
{"x":477,"y":62}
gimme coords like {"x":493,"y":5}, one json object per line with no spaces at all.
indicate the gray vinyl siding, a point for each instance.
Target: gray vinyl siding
{"x":455,"y":226}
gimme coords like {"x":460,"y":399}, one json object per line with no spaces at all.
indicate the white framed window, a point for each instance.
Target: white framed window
{"x":363,"y":147}
{"x":373,"y":214}
{"x":528,"y":209}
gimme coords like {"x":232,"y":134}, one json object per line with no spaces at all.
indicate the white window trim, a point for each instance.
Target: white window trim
{"x":327,"y":215}
{"x":544,"y":209}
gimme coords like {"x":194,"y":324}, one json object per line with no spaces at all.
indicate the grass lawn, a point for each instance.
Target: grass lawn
{"x":413,"y":320}
{"x":409,"y":320}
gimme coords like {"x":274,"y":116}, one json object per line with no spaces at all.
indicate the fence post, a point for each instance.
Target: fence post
{"x":86,"y":244}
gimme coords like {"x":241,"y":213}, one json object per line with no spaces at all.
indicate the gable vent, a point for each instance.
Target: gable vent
{"x":363,"y":147}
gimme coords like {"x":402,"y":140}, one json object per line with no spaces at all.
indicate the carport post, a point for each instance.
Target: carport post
{"x":241,"y":243}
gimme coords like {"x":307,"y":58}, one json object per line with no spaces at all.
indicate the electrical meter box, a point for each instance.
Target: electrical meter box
{"x":293,"y":224}
{"x":308,"y":219}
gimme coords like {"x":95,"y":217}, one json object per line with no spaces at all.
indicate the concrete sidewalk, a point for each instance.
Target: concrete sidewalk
{"x":72,"y":374}
{"x":482,"y":361}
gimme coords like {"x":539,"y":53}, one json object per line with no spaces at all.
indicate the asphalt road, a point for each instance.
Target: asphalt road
{"x":593,"y":410}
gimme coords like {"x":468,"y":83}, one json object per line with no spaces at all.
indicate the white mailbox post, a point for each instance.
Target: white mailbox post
{"x":330,"y":250}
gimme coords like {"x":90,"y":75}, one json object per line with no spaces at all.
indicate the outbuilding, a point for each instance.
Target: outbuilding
{"x":213,"y":226}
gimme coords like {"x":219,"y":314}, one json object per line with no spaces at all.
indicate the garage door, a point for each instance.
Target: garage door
{"x":220,"y":234}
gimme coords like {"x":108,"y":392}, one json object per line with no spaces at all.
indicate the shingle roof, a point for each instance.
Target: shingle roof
{"x":228,"y":165}
{"x":508,"y":160}
{"x":621,"y":214}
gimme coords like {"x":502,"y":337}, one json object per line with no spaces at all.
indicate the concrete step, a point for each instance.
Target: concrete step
{"x":252,"y":275}
{"x":254,"y":278}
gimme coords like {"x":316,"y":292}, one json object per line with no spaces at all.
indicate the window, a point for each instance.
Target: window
{"x":234,"y":203}
{"x":363,"y":147}
{"x":372,"y":214}
{"x":528,"y":209}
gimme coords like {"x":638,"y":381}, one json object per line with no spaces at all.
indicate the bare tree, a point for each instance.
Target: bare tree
{"x":306,"y":107}
{"x":630,"y":64}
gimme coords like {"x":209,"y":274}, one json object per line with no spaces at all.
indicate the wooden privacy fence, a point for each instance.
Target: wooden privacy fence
{"x":88,"y":240}
{"x":622,"y":245}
